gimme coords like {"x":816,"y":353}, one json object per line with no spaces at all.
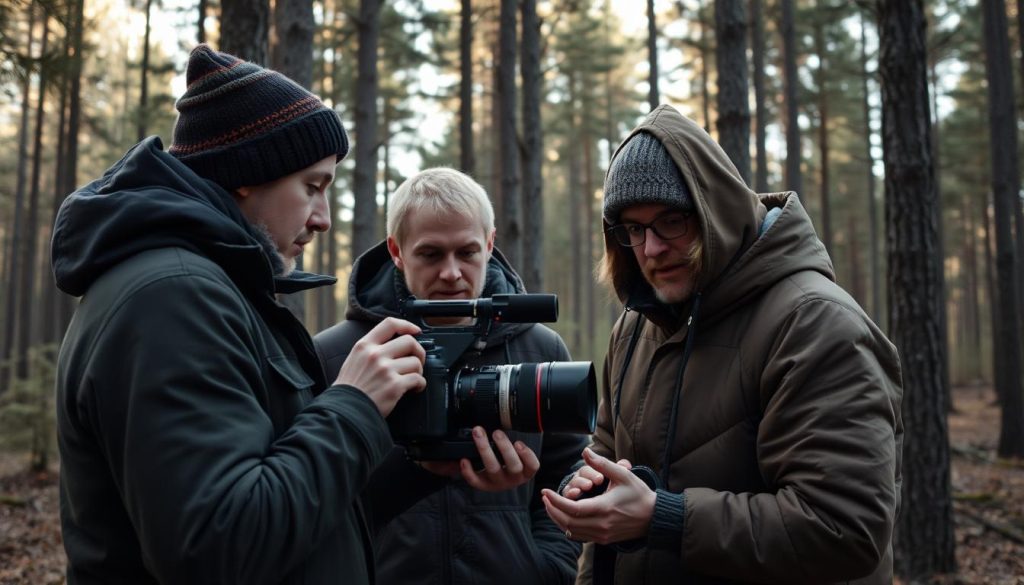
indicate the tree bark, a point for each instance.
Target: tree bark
{"x":11,"y":317}
{"x":533,"y":151}
{"x":244,"y":29}
{"x":757,"y":40}
{"x":733,"y":97}
{"x":924,"y":541}
{"x":1005,"y":189}
{"x":823,"y":143}
{"x":793,"y":176}
{"x":653,"y":98}
{"x":510,"y":232}
{"x":467,"y":158}
{"x":27,"y":335}
{"x":144,"y":78}
{"x":201,"y":22}
{"x":364,"y":187}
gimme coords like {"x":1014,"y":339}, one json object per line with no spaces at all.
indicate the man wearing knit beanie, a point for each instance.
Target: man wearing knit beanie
{"x":200,"y":440}
{"x":749,"y":430}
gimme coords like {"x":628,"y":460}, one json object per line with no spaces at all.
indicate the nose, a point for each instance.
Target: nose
{"x":320,"y":217}
{"x":450,"y":271}
{"x":653,"y":245}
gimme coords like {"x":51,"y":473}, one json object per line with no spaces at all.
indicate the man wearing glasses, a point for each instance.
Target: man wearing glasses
{"x":749,"y":427}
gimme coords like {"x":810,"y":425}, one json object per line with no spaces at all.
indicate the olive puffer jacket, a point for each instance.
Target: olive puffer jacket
{"x":768,"y":402}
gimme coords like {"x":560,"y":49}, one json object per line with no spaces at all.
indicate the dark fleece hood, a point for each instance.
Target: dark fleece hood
{"x":150,"y":200}
{"x":376,"y":286}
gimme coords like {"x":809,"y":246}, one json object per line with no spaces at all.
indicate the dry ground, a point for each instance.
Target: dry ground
{"x":989,"y":507}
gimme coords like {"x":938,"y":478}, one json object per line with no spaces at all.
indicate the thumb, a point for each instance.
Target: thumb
{"x":606,"y":467}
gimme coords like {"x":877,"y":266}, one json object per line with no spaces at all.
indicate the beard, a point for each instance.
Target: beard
{"x":282,"y":266}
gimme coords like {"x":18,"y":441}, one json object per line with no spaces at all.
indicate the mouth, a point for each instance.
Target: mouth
{"x":448,"y":294}
{"x":670,"y":270}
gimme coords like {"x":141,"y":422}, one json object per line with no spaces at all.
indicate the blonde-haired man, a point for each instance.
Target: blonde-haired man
{"x":440,"y":246}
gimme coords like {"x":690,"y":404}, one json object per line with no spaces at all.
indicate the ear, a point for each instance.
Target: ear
{"x":490,"y":242}
{"x":396,"y":253}
{"x":243,"y":192}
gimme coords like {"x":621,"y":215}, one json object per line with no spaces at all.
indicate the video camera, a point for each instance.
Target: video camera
{"x":534,"y":397}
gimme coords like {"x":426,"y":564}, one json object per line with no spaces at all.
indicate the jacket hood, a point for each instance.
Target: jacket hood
{"x":730,"y":215}
{"x":150,"y":200}
{"x":376,"y":286}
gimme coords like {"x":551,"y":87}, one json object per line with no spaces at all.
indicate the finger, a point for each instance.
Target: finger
{"x":624,"y":463}
{"x":530,"y":462}
{"x":562,"y":510}
{"x":487,"y":457}
{"x":556,"y":515}
{"x":602,"y":465}
{"x":411,"y":382}
{"x":407,"y":365}
{"x":590,"y":474}
{"x":405,"y":345}
{"x":508,"y":453}
{"x":389,"y":328}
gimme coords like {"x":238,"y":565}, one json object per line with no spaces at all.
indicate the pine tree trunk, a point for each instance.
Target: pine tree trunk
{"x":705,"y":67}
{"x":733,"y":96}
{"x":144,"y":78}
{"x":653,"y":98}
{"x":823,"y":143}
{"x":924,"y":541}
{"x":201,"y":22}
{"x":1005,"y":189}
{"x":244,"y":29}
{"x":533,"y":151}
{"x":364,"y":187}
{"x":590,"y":227}
{"x":27,"y":336}
{"x":70,"y":178}
{"x":576,"y":229}
{"x":793,"y":176}
{"x":14,"y":251}
{"x":758,"y":42}
{"x":467,"y":158}
{"x":510,"y":233}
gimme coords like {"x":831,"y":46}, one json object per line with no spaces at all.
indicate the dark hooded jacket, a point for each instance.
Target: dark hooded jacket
{"x":192,"y":447}
{"x":768,"y":401}
{"x":461,"y":535}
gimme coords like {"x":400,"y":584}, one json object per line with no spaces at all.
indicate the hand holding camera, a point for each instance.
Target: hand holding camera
{"x":386,"y":363}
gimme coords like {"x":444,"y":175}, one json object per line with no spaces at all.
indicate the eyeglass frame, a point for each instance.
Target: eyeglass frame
{"x":686,"y":215}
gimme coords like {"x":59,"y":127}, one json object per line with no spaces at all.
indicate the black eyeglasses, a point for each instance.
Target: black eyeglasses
{"x":667,"y":227}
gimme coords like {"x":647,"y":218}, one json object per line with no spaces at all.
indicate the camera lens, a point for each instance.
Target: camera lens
{"x":532,"y":397}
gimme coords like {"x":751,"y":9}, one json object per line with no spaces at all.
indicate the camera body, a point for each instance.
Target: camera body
{"x":535,"y":397}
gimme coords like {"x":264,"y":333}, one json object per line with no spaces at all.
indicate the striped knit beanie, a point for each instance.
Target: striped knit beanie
{"x":643,"y":172}
{"x":242,"y":125}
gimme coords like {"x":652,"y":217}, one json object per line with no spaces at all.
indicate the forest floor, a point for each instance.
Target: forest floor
{"x":988,"y":507}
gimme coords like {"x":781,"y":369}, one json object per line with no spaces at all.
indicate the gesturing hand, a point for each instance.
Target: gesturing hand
{"x":386,"y":363}
{"x":623,"y":512}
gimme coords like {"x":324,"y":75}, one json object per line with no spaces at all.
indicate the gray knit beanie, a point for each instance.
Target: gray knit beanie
{"x":643,"y":172}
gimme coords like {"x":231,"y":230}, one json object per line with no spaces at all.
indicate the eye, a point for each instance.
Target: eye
{"x":633,"y":229}
{"x":674,"y":220}
{"x":468,"y":253}
{"x":312,"y":189}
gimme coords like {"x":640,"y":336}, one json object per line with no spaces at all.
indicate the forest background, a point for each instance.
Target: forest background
{"x":897,"y":122}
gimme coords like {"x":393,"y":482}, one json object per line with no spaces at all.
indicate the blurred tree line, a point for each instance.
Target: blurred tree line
{"x":897,"y":122}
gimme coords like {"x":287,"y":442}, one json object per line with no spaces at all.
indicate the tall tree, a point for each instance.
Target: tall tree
{"x":793,"y":176}
{"x":201,"y":22}
{"x":292,"y":55}
{"x":30,"y":245}
{"x":467,"y":158}
{"x":733,"y":97}
{"x":1005,"y":189}
{"x":364,"y":186}
{"x":761,"y":110}
{"x":144,"y":76}
{"x":821,"y":78}
{"x":924,"y":542}
{"x":510,"y":232}
{"x":533,"y":151}
{"x":17,"y":229}
{"x":653,"y":98}
{"x":245,"y":28}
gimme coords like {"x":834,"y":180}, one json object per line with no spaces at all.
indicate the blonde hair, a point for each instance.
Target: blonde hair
{"x":442,"y":190}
